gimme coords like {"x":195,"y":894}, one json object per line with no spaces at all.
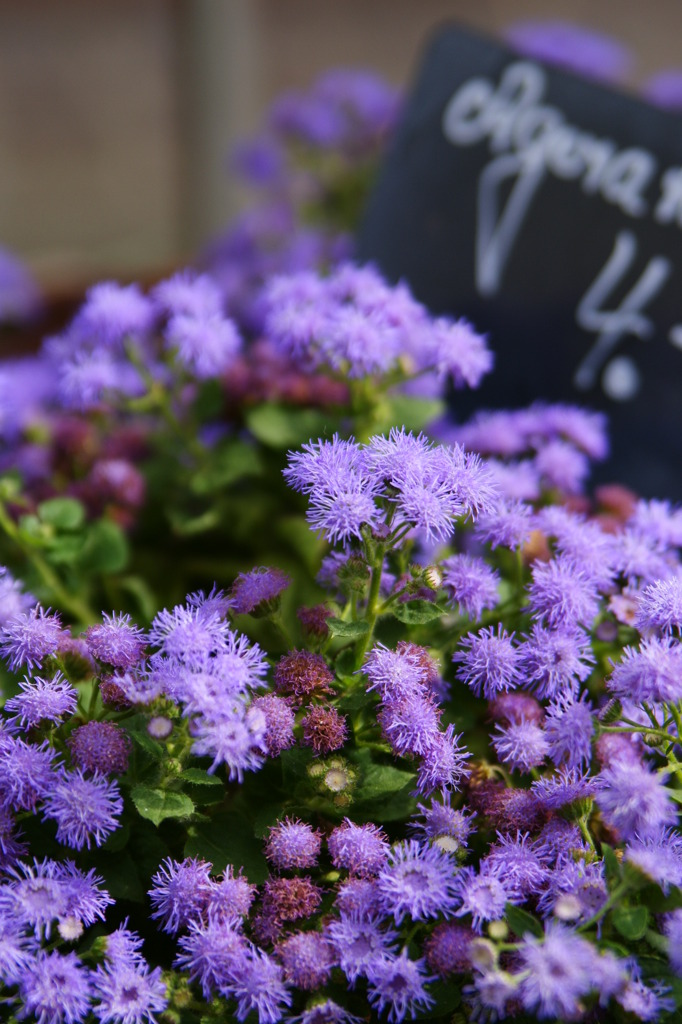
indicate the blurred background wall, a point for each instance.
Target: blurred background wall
{"x":116,"y":116}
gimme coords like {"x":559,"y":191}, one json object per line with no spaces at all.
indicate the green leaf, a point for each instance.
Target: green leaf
{"x":281,"y":426}
{"x":232,"y":461}
{"x":612,"y":865}
{"x":520,"y":921}
{"x":631,"y":922}
{"x":158,"y":804}
{"x":105,"y":549}
{"x":228,"y":839}
{"x":64,"y":549}
{"x":447,"y":998}
{"x":121,"y":878}
{"x":62,"y":513}
{"x":414,"y":413}
{"x":200,"y":778}
{"x":416,"y":613}
{"x":187,"y":524}
{"x":380,"y":780}
{"x":137,"y":729}
{"x":350,"y":630}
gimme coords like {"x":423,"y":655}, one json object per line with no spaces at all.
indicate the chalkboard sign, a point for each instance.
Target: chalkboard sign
{"x":547,"y":210}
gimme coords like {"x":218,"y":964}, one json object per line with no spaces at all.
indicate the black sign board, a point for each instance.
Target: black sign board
{"x":548,"y":211}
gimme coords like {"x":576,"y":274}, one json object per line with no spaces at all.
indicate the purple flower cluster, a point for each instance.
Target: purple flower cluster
{"x":355,"y":323}
{"x":401,"y":479}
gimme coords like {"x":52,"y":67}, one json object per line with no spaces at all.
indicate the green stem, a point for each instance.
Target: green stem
{"x":619,"y":891}
{"x":71,"y":603}
{"x":372,"y":611}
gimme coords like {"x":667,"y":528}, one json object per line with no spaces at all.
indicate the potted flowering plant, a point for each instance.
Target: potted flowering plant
{"x":310,"y":715}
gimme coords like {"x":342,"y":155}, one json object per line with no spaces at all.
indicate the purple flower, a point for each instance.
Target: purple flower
{"x":418,"y":881}
{"x":447,"y":827}
{"x":36,"y":895}
{"x":359,"y":941}
{"x":205,"y":344}
{"x":358,"y":897}
{"x":258,"y":985}
{"x":664,"y":89}
{"x":562,"y":595}
{"x":557,"y":971}
{"x":395,"y":674}
{"x":324,"y":729}
{"x":569,"y":45}
{"x":569,"y":728}
{"x":128,"y":993}
{"x":410,"y":723}
{"x":29,"y":638}
{"x":506,"y":524}
{"x":257,"y":587}
{"x":327,"y":1012}
{"x":659,"y":856}
{"x":235,"y":737}
{"x":518,"y":862}
{"x":522,"y":745}
{"x":293,"y":844}
{"x":17,"y":951}
{"x":27,"y":772}
{"x":489,"y":662}
{"x":85,"y":809}
{"x":447,"y":949}
{"x":397,"y":984}
{"x":303,"y":674}
{"x":673,"y":933}
{"x":279,"y":722}
{"x":112,"y":313}
{"x":180,"y":891}
{"x":454,"y":349}
{"x":634,"y":800}
{"x":188,"y":293}
{"x":307,"y":959}
{"x":57,"y":989}
{"x":116,"y":641}
{"x":14,"y":601}
{"x":563,"y":787}
{"x":482,"y":896}
{"x":470,"y":583}
{"x":361,"y":849}
{"x":444,"y":763}
{"x":188,"y":635}
{"x":212,"y":952}
{"x":659,"y":606}
{"x":42,"y":700}
{"x":100,"y":747}
{"x":576,"y":890}
{"x":553,"y":661}
{"x":231,"y":897}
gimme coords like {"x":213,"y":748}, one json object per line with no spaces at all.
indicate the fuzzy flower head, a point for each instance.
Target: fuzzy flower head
{"x":562,"y":594}
{"x":100,"y":747}
{"x":361,"y":849}
{"x":569,"y":727}
{"x":57,"y":989}
{"x":86,"y":809}
{"x":659,"y":607}
{"x":293,"y":844}
{"x":470,"y":583}
{"x":307,"y":959}
{"x":42,"y":700}
{"x":396,"y":984}
{"x":488,"y":662}
{"x":257,"y":589}
{"x":522,"y":745}
{"x":29,"y":638}
{"x":634,"y":800}
{"x":116,"y":641}
{"x":180,"y":892}
{"x":558,"y":971}
{"x":651,"y":672}
{"x":204,"y":344}
{"x":418,"y":881}
{"x":555,"y":660}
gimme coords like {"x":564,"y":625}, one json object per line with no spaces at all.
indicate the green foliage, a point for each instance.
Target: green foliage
{"x":158,"y":804}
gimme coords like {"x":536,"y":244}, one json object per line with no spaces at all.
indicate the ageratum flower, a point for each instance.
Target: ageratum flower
{"x":651,"y":672}
{"x":569,"y":727}
{"x":116,"y":641}
{"x":204,"y":344}
{"x":29,"y":638}
{"x":489,"y":662}
{"x":396,"y":984}
{"x":257,"y":587}
{"x":634,"y":800}
{"x":470,"y":583}
{"x":659,"y":606}
{"x":41,"y":700}
{"x":522,"y":745}
{"x":361,"y":849}
{"x":554,"y":661}
{"x":86,"y":809}
{"x":128,"y":992}
{"x":57,"y":989}
{"x":212,"y":952}
{"x":27,"y":772}
{"x":180,"y":891}
{"x":418,"y":881}
{"x":307,"y":959}
{"x":293,"y":844}
{"x":359,"y":941}
{"x":562,"y":594}
{"x":100,"y":747}
{"x":483,"y":895}
{"x":259,"y":985}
